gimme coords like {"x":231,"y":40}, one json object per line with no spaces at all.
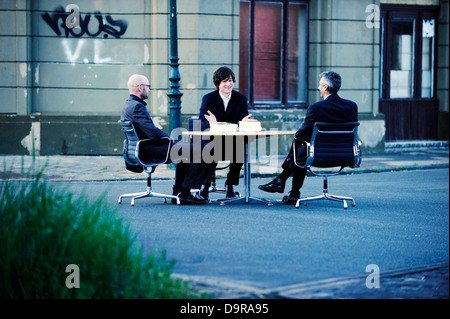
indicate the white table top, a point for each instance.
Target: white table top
{"x":239,"y":133}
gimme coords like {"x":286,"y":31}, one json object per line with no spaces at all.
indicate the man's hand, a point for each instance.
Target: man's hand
{"x":248,"y":119}
{"x":211,"y":118}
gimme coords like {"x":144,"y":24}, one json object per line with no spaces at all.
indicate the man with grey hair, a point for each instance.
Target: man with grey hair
{"x":188,"y":175}
{"x":332,"y":109}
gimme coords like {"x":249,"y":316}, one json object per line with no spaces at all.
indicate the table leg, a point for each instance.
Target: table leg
{"x":247,"y":170}
{"x":247,"y":176}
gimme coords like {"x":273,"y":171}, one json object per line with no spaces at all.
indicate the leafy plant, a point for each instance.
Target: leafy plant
{"x":43,"y":230}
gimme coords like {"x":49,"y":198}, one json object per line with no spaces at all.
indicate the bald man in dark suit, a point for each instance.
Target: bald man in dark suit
{"x":188,"y":175}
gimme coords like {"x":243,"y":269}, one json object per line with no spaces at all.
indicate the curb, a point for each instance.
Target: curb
{"x":394,"y":285}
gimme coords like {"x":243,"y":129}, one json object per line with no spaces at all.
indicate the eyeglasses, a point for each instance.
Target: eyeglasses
{"x":147,"y":85}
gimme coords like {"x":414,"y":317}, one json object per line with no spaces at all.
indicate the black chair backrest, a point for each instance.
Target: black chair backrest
{"x":334,"y":144}
{"x":130,"y":142}
{"x":194,"y":124}
{"x":146,"y":152}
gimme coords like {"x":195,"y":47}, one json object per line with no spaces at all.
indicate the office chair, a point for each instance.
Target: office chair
{"x":136,"y":160}
{"x":332,"y":145}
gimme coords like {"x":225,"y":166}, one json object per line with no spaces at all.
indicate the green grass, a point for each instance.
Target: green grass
{"x":43,"y":230}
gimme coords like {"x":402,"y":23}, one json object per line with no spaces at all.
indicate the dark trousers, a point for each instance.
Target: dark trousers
{"x":188,"y":173}
{"x":228,"y":154}
{"x":233,"y":175}
{"x":298,"y":173}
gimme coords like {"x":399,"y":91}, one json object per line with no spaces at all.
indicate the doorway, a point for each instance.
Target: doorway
{"x":408,"y":72}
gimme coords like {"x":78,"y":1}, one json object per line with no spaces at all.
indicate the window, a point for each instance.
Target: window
{"x":408,"y":54}
{"x":402,"y":66}
{"x":428,"y":57}
{"x":273,"y":52}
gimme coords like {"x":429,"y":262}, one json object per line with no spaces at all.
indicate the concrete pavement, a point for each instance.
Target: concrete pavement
{"x":427,"y":281}
{"x":418,"y":281}
{"x":112,"y":168}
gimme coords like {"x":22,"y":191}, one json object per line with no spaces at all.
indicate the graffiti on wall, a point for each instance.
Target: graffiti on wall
{"x":73,"y":24}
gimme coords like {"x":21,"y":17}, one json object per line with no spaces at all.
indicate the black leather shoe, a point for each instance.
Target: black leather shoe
{"x":230,"y":192}
{"x":205,"y":194}
{"x":175,"y":192}
{"x":275,"y":186}
{"x":291,"y":199}
{"x":191,"y":200}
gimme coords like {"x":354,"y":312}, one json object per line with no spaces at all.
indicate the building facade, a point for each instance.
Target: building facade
{"x":65,"y":65}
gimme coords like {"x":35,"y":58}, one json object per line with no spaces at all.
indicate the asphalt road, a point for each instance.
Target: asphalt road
{"x":401,"y":219}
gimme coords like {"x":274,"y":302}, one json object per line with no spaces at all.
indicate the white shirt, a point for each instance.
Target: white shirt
{"x":225,"y":100}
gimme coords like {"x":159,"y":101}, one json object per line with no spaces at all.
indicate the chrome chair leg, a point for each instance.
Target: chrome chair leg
{"x":326,"y":195}
{"x":342,"y":198}
{"x":310,"y":198}
{"x":165,"y":196}
{"x":129,"y":195}
{"x":148,"y":193}
{"x":213,"y":188}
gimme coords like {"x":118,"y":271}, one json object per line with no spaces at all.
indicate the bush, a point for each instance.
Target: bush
{"x":43,"y":230}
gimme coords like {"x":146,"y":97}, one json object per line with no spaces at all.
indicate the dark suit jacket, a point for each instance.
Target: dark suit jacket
{"x":237,"y":108}
{"x":135,"y":110}
{"x":333,"y":109}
